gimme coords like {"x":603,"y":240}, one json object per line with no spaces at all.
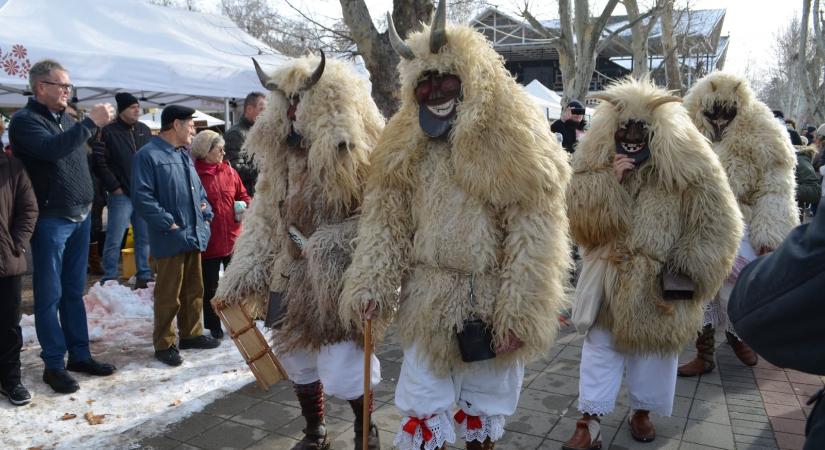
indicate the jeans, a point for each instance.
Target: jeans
{"x":11,"y":339}
{"x":120,"y":214}
{"x":60,"y":253}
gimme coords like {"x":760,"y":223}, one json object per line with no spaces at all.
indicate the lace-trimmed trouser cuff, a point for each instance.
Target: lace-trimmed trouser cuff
{"x":651,"y":379}
{"x":491,"y":427}
{"x":716,"y":311}
{"x":432,"y":433}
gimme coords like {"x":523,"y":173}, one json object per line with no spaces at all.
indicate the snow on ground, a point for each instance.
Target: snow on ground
{"x":143,"y":392}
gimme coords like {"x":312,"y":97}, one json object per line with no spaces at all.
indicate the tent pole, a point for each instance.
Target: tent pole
{"x":226,"y":113}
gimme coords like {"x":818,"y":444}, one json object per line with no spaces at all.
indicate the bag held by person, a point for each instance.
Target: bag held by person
{"x":590,"y":288}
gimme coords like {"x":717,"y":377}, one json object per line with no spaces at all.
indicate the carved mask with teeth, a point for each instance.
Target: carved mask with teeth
{"x":632,"y":139}
{"x":438,"y":96}
{"x":720,"y":117}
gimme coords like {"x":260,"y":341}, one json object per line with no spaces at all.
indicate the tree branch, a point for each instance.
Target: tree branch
{"x":603,"y":43}
{"x":541,"y":29}
{"x":317,"y":24}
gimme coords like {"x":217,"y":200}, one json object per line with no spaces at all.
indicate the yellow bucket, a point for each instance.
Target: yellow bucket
{"x":127,"y":256}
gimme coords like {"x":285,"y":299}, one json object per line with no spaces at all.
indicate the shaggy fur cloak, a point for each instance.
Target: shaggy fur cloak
{"x":675,"y":211}
{"x":316,"y":188}
{"x":757,"y":155}
{"x":485,"y":205}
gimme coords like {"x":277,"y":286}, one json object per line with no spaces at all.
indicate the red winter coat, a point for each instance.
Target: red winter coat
{"x":223,"y":187}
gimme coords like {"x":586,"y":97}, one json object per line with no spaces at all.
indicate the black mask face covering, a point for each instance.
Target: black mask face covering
{"x":638,"y":157}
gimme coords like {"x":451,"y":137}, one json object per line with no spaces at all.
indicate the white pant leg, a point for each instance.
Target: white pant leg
{"x":491,"y":394}
{"x":421,"y":395}
{"x":600,"y":373}
{"x":716,"y":312}
{"x":651,"y":382}
{"x":341,"y":369}
{"x":301,"y":365}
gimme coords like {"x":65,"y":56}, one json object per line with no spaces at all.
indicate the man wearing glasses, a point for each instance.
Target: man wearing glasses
{"x":51,"y":146}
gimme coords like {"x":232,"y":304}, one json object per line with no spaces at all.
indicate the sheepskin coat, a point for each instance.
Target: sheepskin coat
{"x":483,"y":206}
{"x":757,"y":155}
{"x":675,"y":211}
{"x":316,"y":187}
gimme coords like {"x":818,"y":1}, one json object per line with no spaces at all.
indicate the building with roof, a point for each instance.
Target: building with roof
{"x":529,"y":56}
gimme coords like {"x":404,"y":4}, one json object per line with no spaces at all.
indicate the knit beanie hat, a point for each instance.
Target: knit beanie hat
{"x":125,"y":100}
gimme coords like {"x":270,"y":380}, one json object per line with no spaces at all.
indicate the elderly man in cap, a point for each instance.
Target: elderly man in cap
{"x":112,"y":154}
{"x":168,"y":195}
{"x":570,"y":125}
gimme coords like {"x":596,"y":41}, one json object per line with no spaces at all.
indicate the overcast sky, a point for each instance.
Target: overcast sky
{"x":752,"y":24}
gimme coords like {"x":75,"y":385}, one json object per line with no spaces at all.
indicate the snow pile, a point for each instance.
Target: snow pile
{"x":144,"y":392}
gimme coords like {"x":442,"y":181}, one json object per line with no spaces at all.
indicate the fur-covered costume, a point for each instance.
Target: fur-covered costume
{"x":482,"y":206}
{"x":757,"y":155}
{"x":311,"y":145}
{"x":674,"y":212}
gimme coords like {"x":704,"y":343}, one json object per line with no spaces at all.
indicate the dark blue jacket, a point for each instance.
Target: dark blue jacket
{"x":55,"y":156}
{"x":166,"y":189}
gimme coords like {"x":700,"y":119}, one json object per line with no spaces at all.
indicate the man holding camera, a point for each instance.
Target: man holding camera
{"x":570,"y":125}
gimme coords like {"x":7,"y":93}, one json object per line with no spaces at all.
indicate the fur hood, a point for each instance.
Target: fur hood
{"x":678,"y":153}
{"x":337,"y":119}
{"x":496,"y":133}
{"x":757,"y":155}
{"x":486,"y":203}
{"x":340,"y":125}
{"x":675,"y":213}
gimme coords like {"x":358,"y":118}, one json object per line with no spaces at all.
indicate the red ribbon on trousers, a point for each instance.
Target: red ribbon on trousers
{"x":413,"y":423}
{"x":473,"y":422}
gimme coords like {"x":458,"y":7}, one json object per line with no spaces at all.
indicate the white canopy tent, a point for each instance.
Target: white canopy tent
{"x":152,"y":119}
{"x":161,"y":55}
{"x":541,"y":91}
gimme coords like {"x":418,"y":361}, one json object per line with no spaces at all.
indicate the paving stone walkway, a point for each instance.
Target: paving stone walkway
{"x":735,"y":407}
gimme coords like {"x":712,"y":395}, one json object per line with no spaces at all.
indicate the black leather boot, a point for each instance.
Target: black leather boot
{"x":311,"y":398}
{"x":357,"y":406}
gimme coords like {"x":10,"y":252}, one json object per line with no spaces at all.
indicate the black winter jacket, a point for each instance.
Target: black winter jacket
{"x":244,"y":164}
{"x":112,"y":153}
{"x":55,"y":157}
{"x":777,"y":307}
{"x":18,"y":214}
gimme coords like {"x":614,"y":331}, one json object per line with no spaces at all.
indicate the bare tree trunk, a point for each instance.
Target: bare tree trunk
{"x":639,"y":40}
{"x":802,"y":66}
{"x":375,"y":48}
{"x":672,"y":72}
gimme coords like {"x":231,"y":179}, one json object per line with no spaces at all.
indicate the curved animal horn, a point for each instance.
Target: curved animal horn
{"x":438,"y":31}
{"x":316,"y":75}
{"x":398,"y":45}
{"x":657,"y":102}
{"x":602,"y":97}
{"x":266,"y":81}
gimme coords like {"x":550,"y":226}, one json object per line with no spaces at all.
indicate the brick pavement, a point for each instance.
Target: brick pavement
{"x":735,"y":407}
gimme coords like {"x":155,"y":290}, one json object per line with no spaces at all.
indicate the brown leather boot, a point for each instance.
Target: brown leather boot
{"x":641,"y":428}
{"x":703,"y":362}
{"x":587,"y":436}
{"x":311,"y":398}
{"x":486,"y":445}
{"x":742,"y":350}
{"x":373,"y":443}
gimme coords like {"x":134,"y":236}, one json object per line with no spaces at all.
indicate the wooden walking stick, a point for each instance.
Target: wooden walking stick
{"x":365,"y":428}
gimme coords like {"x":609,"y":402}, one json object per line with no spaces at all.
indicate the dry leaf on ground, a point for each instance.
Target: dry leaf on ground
{"x":68,"y":416}
{"x":93,"y":419}
{"x":175,"y":403}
